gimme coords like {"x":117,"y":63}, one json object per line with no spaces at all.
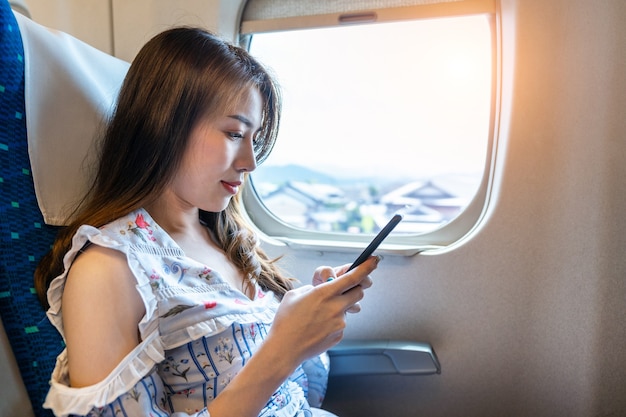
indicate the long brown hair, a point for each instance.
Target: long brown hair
{"x":178,"y":77}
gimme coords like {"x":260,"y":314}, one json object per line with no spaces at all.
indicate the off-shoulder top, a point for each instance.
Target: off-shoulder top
{"x":197,"y":333}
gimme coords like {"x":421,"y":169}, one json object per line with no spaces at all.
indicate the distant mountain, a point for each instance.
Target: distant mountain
{"x":279,"y":174}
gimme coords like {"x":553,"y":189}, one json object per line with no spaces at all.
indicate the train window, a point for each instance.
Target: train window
{"x":378,"y":117}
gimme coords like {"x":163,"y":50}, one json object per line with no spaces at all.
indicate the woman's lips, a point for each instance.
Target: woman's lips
{"x":231,"y":187}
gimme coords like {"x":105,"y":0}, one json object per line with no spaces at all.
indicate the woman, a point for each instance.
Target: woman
{"x":159,"y":289}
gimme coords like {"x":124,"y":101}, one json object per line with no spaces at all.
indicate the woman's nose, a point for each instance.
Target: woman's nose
{"x":247,"y":157}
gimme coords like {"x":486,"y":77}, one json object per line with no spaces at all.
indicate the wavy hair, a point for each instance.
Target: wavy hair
{"x":178,"y":77}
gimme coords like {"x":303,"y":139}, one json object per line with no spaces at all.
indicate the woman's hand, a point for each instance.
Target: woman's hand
{"x":326,"y":274}
{"x":311,"y":319}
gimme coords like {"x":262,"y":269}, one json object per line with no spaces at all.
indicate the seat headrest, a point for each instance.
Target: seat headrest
{"x":70,"y":90}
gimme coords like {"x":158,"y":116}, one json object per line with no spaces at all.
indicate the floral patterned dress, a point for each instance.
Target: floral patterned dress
{"x":197,"y":333}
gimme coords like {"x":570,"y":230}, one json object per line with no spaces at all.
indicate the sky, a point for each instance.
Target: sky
{"x":408,"y":99}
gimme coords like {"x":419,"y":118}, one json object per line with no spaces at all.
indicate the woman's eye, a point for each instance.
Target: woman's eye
{"x":235,"y":135}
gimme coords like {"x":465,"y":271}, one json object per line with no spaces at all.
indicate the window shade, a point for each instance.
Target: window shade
{"x":270,"y":15}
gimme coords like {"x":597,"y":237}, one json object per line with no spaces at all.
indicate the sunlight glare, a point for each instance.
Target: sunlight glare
{"x":404,"y":96}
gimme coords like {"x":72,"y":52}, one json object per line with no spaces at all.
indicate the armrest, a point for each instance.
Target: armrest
{"x":376,"y":357}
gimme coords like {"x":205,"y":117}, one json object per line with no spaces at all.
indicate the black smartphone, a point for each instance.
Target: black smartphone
{"x":378,"y":239}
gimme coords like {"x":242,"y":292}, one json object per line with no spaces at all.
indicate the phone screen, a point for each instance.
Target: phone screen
{"x":369,"y":250}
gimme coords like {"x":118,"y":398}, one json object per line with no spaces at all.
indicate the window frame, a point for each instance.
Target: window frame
{"x":272,"y":228}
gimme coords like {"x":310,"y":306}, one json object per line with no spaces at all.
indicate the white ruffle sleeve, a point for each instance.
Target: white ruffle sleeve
{"x":146,"y":398}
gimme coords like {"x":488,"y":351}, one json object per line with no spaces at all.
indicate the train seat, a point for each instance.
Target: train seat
{"x":34,"y":343}
{"x":34,"y":172}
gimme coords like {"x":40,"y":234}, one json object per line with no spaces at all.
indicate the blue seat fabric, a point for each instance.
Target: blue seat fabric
{"x":24,"y":237}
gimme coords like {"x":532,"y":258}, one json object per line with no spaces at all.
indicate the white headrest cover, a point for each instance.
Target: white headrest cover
{"x":70,"y":90}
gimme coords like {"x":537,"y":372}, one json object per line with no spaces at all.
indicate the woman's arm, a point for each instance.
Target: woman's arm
{"x":309,"y":321}
{"x":102,"y":310}
{"x":101,"y":313}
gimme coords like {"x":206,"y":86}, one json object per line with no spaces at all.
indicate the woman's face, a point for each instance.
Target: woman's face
{"x":219,"y":152}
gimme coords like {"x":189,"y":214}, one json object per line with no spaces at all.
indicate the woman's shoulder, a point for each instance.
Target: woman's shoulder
{"x":99,"y":261}
{"x":97,"y":264}
{"x":101,"y":312}
{"x":137,"y":227}
{"x":101,"y":283}
{"x":100,"y":277}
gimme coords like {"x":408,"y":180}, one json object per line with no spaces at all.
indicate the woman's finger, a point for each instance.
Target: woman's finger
{"x":358,"y":276}
{"x":323,"y":274}
{"x":356,"y":308}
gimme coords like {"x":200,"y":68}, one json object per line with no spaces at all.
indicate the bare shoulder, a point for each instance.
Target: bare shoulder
{"x":99,"y":272}
{"x":101,"y":311}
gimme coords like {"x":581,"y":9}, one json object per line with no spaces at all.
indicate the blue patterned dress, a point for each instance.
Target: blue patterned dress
{"x":198,"y":332}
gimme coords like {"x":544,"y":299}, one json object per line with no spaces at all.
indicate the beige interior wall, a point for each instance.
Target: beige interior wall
{"x":137,"y":21}
{"x":527,"y":316}
{"x":87,"y":20}
{"x":121,"y":27}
